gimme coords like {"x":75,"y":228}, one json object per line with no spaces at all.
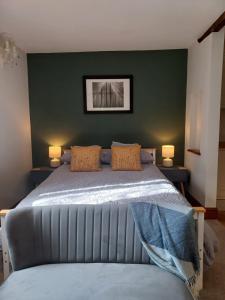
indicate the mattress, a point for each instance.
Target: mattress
{"x":105,"y":186}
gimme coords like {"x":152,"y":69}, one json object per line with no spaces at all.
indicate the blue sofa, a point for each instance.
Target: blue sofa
{"x":82,"y":252}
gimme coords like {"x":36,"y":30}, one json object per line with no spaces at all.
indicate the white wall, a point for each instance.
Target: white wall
{"x":205,"y":61}
{"x":15,"y":137}
{"x":223,"y":85}
{"x":222,"y":113}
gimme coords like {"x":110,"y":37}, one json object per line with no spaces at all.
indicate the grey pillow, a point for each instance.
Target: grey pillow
{"x":146,"y":157}
{"x":106,"y":156}
{"x":66,"y":157}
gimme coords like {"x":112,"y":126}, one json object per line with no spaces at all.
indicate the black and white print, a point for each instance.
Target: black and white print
{"x":108,"y":94}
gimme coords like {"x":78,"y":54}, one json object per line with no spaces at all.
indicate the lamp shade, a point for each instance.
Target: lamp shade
{"x":168,"y":151}
{"x":54,"y":152}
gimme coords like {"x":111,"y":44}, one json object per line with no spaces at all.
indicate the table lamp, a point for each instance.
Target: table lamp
{"x":167,"y":154}
{"x":54,"y":154}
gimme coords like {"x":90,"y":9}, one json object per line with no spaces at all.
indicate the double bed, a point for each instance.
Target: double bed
{"x":105,"y":186}
{"x":64,"y":187}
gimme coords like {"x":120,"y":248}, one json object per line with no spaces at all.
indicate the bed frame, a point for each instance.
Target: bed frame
{"x":199,"y":217}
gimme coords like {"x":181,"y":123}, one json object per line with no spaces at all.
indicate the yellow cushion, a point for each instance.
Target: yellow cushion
{"x":85,"y":158}
{"x":126,"y":158}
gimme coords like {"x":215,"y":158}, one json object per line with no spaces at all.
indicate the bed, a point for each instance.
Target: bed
{"x":63,"y":187}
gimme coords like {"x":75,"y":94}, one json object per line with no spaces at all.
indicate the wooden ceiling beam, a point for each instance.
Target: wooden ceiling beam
{"x":215,"y":27}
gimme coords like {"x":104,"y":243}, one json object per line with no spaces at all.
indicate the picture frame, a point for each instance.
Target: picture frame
{"x":108,"y":94}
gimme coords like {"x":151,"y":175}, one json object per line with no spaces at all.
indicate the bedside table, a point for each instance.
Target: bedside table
{"x":178,"y":175}
{"x":38,"y":175}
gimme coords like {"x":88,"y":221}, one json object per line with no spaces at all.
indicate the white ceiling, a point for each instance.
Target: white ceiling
{"x":93,"y":25}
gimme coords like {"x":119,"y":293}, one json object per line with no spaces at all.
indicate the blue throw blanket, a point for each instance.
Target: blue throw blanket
{"x":170,"y":238}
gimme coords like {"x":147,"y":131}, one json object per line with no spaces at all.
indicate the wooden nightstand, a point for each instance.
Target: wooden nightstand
{"x":178,"y":175}
{"x":38,"y":175}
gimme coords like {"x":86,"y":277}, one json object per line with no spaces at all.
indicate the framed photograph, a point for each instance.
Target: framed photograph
{"x":108,"y":94}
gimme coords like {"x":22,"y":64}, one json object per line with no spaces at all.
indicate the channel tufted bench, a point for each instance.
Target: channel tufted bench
{"x":82,"y":252}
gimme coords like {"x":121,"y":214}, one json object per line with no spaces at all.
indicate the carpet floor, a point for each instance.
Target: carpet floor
{"x":214,"y":277}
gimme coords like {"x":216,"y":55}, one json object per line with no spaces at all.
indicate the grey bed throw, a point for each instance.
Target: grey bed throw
{"x":169,"y":237}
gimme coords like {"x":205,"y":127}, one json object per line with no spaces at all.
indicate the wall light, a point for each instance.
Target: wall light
{"x":167,"y":153}
{"x":54,"y":152}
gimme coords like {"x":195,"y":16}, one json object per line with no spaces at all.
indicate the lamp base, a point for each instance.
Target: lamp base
{"x":55,"y":162}
{"x":167,"y":162}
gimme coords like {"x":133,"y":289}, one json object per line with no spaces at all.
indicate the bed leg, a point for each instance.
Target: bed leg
{"x":5,"y":253}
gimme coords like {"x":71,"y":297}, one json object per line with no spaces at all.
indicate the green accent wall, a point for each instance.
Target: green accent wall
{"x":56,"y":100}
